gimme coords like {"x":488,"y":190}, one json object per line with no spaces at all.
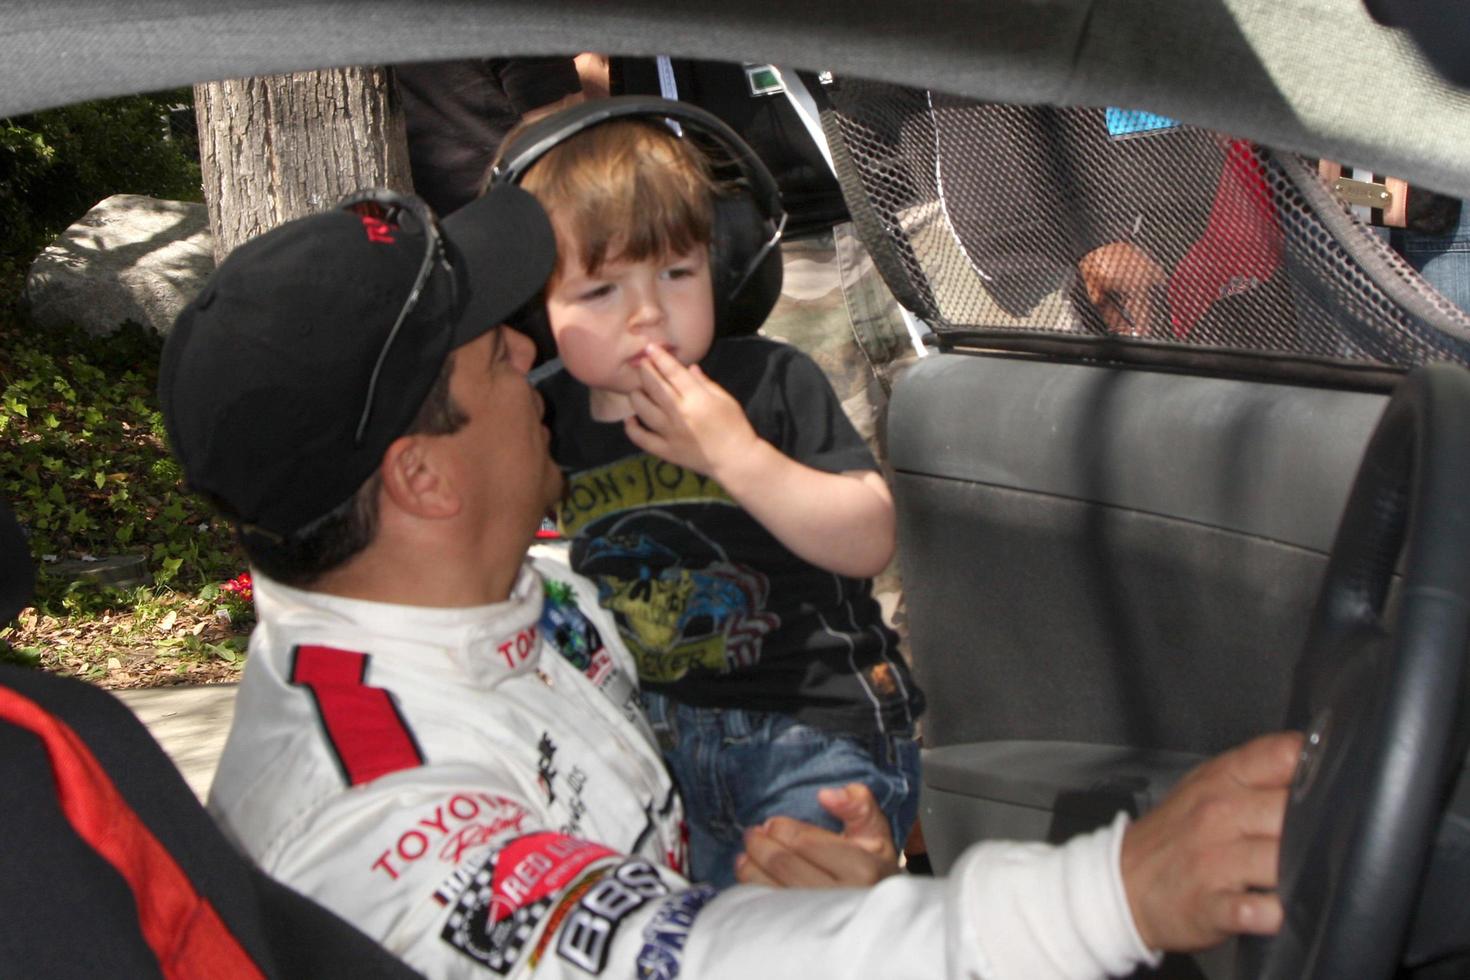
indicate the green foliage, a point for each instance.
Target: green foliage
{"x":56,"y":165}
{"x":19,"y":656}
{"x":84,"y":466}
{"x":83,"y":458}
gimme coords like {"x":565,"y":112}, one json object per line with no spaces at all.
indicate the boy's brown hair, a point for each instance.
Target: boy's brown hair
{"x":629,"y":185}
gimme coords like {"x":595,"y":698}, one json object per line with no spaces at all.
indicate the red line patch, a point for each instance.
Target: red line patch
{"x":362,"y":723}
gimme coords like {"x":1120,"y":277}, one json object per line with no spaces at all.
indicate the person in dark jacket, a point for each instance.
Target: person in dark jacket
{"x":457,"y":112}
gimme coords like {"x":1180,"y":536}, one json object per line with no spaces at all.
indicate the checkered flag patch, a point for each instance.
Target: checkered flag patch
{"x":497,"y":946}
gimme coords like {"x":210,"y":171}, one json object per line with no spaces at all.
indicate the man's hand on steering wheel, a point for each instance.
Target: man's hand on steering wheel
{"x":1194,"y":866}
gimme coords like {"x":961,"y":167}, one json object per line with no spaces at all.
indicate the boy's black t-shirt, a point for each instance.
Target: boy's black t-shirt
{"x":717,"y":612}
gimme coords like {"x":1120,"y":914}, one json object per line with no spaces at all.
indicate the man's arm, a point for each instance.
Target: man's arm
{"x":451,"y":869}
{"x":1184,"y":877}
{"x":843,"y":522}
{"x":495,"y":892}
{"x":455,"y":870}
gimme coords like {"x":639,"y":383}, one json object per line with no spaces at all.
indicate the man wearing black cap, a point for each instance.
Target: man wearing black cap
{"x":439,"y":738}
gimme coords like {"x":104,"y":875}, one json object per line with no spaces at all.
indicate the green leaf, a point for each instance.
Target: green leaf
{"x":223,"y":652}
{"x":25,"y":656}
{"x":100,"y":479}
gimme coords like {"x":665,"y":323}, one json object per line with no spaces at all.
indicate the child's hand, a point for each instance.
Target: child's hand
{"x":789,"y":853}
{"x":842,"y":522}
{"x":684,"y":417}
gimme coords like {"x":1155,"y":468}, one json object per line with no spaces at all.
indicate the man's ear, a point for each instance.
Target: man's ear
{"x":415,"y":481}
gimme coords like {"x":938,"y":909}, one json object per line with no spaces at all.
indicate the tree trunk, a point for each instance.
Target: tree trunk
{"x":277,"y":147}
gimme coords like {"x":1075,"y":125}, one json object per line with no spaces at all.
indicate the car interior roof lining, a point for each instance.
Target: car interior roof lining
{"x":1315,"y":76}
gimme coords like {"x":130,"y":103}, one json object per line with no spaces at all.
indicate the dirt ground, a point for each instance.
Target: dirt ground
{"x":118,"y":652}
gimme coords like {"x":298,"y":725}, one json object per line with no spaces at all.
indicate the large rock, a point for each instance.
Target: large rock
{"x":129,"y":258}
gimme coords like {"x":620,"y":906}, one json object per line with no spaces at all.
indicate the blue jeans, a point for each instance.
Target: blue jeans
{"x":737,"y":768}
{"x":1443,"y":260}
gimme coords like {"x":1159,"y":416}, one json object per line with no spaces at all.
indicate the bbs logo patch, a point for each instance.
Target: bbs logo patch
{"x":589,"y":930}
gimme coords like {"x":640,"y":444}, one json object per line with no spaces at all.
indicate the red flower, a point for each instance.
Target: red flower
{"x":240,"y":585}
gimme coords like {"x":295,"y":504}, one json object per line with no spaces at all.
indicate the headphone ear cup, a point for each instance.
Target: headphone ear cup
{"x":743,"y":296}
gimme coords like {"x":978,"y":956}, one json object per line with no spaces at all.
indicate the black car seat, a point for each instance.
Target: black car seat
{"x":110,"y":865}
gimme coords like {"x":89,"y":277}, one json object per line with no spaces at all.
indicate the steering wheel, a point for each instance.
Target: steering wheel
{"x":1379,"y":691}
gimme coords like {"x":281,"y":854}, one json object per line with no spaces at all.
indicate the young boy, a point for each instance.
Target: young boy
{"x":725,"y":506}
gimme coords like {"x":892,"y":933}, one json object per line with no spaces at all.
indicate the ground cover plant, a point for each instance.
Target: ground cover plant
{"x":83,"y":462}
{"x":85,"y":467}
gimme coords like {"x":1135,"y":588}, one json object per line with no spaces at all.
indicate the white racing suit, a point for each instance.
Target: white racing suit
{"x":477,"y":789}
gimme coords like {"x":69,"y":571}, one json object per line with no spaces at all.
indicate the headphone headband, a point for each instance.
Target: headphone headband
{"x":537,"y":139}
{"x":745,"y":263}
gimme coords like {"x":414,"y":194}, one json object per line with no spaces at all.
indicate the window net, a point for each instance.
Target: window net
{"x":992,"y":220}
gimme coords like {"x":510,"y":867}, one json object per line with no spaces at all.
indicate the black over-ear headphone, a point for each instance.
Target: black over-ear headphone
{"x":745,"y":261}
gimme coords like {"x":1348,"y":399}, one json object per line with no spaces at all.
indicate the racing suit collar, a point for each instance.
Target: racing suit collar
{"x":474,"y":637}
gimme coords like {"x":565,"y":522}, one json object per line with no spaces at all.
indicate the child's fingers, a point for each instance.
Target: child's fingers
{"x":655,"y":383}
{"x":640,"y":437}
{"x":747,"y":872}
{"x":863,"y":822}
{"x":814,"y":857}
{"x":667,"y":366}
{"x":698,"y":379}
{"x":782,"y":864}
{"x":649,"y":412}
{"x":643,"y":437}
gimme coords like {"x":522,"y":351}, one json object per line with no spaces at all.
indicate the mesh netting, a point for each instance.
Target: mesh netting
{"x":987,"y":218}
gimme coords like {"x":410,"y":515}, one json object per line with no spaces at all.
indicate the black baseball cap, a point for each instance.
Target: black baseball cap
{"x":265,"y":375}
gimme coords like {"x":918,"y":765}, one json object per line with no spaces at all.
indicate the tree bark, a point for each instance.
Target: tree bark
{"x":276,"y":147}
